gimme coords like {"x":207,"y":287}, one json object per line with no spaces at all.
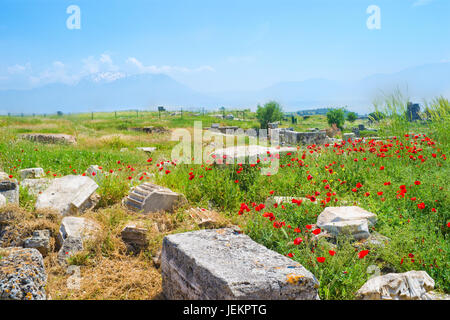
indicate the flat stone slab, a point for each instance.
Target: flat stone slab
{"x":226,"y":265}
{"x":239,"y":152}
{"x":2,"y":201}
{"x":147,"y":149}
{"x":50,"y":138}
{"x":68,"y":195}
{"x":31,"y":173}
{"x":411,"y":285}
{"x":149,"y":197}
{"x":22,"y":274}
{"x":10,"y":190}
{"x":350,"y":220}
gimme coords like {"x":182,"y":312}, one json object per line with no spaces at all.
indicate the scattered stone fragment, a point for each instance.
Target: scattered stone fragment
{"x":36,"y":186}
{"x":73,"y":232}
{"x":31,"y":173}
{"x":50,"y":138}
{"x":411,"y":285}
{"x":349,"y":135}
{"x":149,"y":197}
{"x":135,"y":237}
{"x":205,"y":218}
{"x":438,"y":295}
{"x":68,"y":195}
{"x":352,"y":220}
{"x":147,"y":149}
{"x":226,"y":265}
{"x":40,"y":240}
{"x":10,"y":190}
{"x":22,"y":274}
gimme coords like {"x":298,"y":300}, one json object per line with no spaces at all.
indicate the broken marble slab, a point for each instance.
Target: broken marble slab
{"x":411,"y":285}
{"x":68,"y":195}
{"x":224,"y":264}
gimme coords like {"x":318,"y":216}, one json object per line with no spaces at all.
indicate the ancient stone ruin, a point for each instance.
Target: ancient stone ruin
{"x":31,"y":173}
{"x":149,"y":197}
{"x":411,"y":285}
{"x":69,"y":195}
{"x":353,"y":221}
{"x":253,"y":151}
{"x":225,"y":264}
{"x":149,"y":129}
{"x":50,"y":138}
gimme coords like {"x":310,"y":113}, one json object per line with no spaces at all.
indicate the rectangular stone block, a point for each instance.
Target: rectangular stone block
{"x":226,"y":265}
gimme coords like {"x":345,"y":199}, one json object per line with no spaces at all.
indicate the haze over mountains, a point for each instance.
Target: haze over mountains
{"x":147,"y":91}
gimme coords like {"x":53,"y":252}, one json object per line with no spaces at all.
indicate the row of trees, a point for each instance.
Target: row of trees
{"x":272,"y":112}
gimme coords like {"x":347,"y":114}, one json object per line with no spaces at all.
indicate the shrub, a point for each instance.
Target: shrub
{"x":336,"y":116}
{"x":271,"y":112}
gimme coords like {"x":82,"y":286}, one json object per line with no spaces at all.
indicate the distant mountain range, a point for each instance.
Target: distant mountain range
{"x":146,"y":91}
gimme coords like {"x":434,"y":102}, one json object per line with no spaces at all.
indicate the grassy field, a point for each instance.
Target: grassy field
{"x":403,"y":180}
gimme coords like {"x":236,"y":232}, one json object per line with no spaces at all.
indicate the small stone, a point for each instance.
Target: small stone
{"x":135,"y":237}
{"x":205,"y":218}
{"x":50,"y":138}
{"x":10,"y":190}
{"x":31,"y":173}
{"x":40,"y":241}
{"x":147,"y":149}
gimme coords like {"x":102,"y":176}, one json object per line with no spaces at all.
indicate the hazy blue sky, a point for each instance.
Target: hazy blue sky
{"x":218,"y":45}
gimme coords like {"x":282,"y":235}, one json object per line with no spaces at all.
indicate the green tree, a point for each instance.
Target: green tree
{"x":336,"y":116}
{"x":352,"y":116}
{"x":271,"y":112}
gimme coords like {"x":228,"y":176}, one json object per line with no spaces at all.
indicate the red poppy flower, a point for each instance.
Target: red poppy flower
{"x":332,"y":252}
{"x":421,"y":205}
{"x":363,"y":253}
{"x":316,"y":231}
{"x":321,"y":259}
{"x":290,"y":255}
{"x":417,"y":183}
{"x":10,"y":176}
{"x":297,"y":241}
{"x":308,"y":226}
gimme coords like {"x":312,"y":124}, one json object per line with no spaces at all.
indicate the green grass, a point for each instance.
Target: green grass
{"x":418,"y":237}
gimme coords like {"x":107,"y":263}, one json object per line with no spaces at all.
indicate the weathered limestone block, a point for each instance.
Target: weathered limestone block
{"x":305,"y":138}
{"x":50,"y":138}
{"x":68,"y":195}
{"x":40,"y":240}
{"x":135,"y":237}
{"x":10,"y":190}
{"x":349,"y":135}
{"x":73,"y":233}
{"x":31,"y":173}
{"x":351,"y":220}
{"x":36,"y":186}
{"x":411,"y":285}
{"x":224,"y":264}
{"x":22,"y":274}
{"x":149,"y":197}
